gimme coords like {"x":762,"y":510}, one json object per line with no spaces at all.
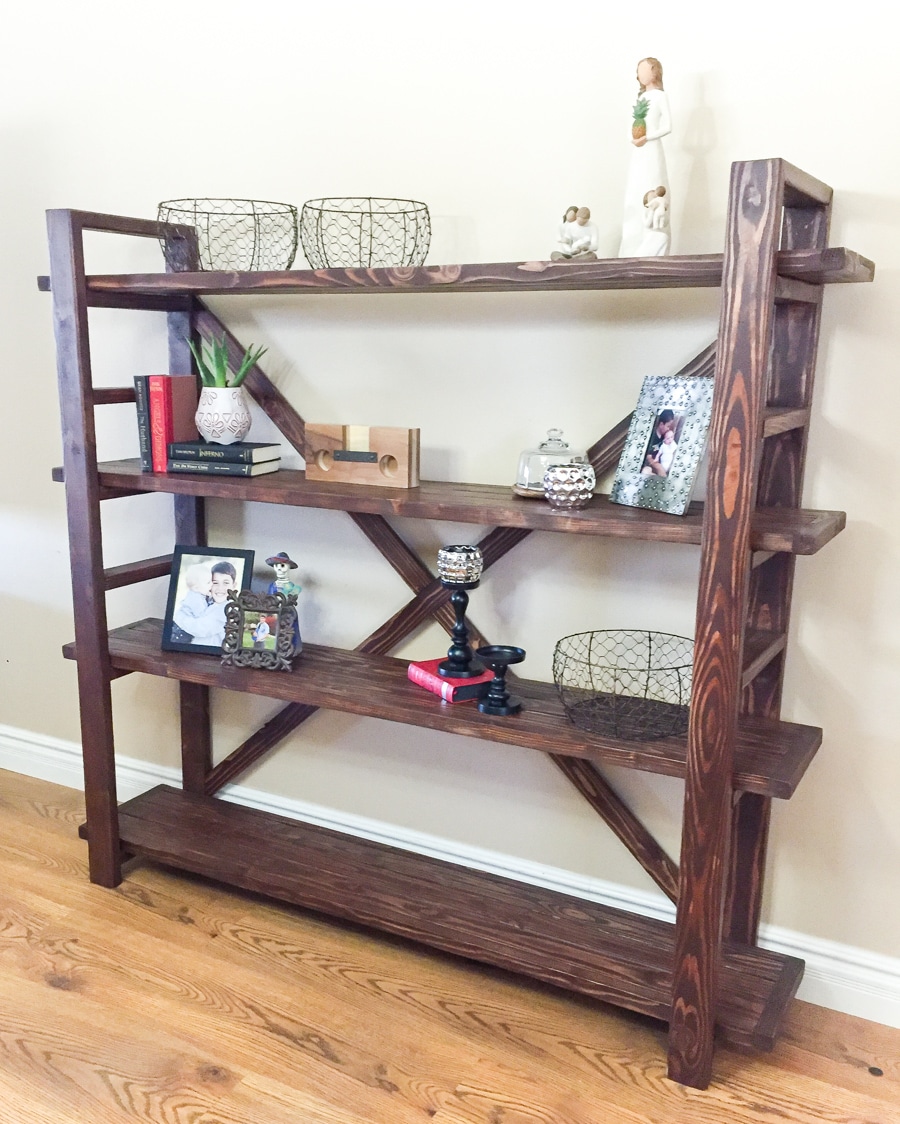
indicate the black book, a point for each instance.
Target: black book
{"x":222,"y":468}
{"x":240,"y":452}
{"x":142,"y":403}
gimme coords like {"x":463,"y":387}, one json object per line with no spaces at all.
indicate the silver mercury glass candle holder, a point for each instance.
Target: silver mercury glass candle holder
{"x":459,"y":569}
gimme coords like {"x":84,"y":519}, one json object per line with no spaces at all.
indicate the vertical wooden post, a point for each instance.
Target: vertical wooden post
{"x":795,"y":338}
{"x":85,"y":543}
{"x":190,"y":530}
{"x":748,"y":289}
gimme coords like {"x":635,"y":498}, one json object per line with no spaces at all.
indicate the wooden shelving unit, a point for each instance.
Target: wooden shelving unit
{"x":703,"y":975}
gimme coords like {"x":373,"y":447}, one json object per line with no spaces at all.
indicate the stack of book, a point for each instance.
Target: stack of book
{"x":424,"y":673}
{"x":242,"y":458}
{"x":166,"y":405}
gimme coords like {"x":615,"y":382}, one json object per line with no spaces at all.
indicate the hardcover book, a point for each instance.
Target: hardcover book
{"x":243,"y":452}
{"x":424,"y":673}
{"x":142,"y":405}
{"x":173,"y":403}
{"x":222,"y":468}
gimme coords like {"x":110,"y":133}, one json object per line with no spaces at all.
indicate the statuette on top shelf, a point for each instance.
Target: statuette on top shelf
{"x":645,"y":222}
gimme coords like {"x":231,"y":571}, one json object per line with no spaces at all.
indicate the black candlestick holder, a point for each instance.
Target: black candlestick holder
{"x":498,"y":700}
{"x":459,"y":568}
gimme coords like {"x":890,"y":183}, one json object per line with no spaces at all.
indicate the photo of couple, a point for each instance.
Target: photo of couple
{"x":198,"y":592}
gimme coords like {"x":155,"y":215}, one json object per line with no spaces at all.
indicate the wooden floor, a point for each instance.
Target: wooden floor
{"x":173,"y":1000}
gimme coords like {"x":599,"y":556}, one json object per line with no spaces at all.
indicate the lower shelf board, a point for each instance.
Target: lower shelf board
{"x":604,"y":953}
{"x":770,"y":756}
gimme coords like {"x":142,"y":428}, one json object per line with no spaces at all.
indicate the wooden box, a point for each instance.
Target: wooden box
{"x":384,"y":456}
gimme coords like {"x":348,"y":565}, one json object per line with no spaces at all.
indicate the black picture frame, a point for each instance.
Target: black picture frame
{"x":184,"y":607}
{"x":260,"y":630}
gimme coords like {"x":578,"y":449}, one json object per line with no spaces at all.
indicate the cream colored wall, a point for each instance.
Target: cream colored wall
{"x":498,"y":116}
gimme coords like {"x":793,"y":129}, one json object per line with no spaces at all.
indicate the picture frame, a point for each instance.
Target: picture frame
{"x":260,"y":630}
{"x":195,"y":609}
{"x":665,"y":443}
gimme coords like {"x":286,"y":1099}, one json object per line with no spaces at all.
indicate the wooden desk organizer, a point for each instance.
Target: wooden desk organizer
{"x":384,"y":456}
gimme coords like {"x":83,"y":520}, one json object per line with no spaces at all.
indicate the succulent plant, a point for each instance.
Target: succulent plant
{"x":212,"y":362}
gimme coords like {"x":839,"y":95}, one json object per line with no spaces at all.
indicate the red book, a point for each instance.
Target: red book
{"x":425,"y":674}
{"x":173,"y":403}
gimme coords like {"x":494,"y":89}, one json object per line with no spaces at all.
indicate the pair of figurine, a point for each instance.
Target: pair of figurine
{"x":645,"y":222}
{"x":578,"y":237}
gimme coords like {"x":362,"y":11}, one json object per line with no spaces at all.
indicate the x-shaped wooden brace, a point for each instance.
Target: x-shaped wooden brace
{"x":431,"y":600}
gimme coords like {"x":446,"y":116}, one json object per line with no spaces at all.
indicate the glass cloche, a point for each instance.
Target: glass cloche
{"x":533,"y":463}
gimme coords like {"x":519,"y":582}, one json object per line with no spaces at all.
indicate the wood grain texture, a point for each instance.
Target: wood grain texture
{"x":802,"y":532}
{"x":833,"y":265}
{"x":611,"y":955}
{"x":753,"y":227}
{"x":771,"y":757}
{"x":132,"y":572}
{"x":172,"y":997}
{"x":757,"y":758}
{"x":85,"y":537}
{"x":805,"y":223}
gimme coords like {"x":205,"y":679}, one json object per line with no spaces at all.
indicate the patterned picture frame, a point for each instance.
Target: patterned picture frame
{"x":665,"y":443}
{"x":260,"y":630}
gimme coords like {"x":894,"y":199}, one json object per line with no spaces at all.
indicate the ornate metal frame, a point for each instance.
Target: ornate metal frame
{"x":282,"y":606}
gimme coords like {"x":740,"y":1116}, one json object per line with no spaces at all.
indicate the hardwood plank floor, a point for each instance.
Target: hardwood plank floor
{"x":174,"y":1000}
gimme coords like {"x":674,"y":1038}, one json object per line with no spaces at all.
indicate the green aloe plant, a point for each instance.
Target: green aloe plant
{"x":212,"y":363}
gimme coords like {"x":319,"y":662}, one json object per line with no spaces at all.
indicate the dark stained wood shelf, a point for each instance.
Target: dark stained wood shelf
{"x":704,"y":975}
{"x":832,"y":265}
{"x":770,"y":756}
{"x":610,"y":955}
{"x":793,"y":530}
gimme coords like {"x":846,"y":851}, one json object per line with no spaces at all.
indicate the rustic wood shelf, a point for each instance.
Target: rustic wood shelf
{"x":705,"y":974}
{"x":770,"y":757}
{"x":467,"y":912}
{"x":834,"y":265}
{"x":794,"y":530}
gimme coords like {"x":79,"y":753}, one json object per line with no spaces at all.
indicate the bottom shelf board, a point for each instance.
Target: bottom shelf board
{"x":604,"y":953}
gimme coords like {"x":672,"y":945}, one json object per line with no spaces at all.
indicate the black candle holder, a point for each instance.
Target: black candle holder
{"x":459,"y":568}
{"x":498,"y":700}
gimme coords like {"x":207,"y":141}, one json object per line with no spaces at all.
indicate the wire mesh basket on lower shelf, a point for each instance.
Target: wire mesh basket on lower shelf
{"x":364,"y":232}
{"x":632,"y":685}
{"x":234,"y":234}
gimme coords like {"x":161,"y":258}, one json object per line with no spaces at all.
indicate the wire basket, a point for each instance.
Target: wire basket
{"x":625,"y":684}
{"x":364,"y":232}
{"x":234,"y":234}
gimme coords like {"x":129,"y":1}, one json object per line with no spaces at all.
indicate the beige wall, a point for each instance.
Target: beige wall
{"x":497,"y":115}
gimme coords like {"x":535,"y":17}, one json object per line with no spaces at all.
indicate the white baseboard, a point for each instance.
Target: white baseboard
{"x":837,"y":976}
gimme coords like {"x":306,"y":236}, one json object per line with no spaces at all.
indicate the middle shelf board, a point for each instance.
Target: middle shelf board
{"x":794,"y":531}
{"x":770,"y":756}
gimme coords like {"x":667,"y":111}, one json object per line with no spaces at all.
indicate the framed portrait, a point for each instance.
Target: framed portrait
{"x":260,"y":630}
{"x":199,"y":586}
{"x":665,"y":442}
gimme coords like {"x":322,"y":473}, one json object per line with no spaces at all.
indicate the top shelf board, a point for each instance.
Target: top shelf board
{"x":829,"y":266}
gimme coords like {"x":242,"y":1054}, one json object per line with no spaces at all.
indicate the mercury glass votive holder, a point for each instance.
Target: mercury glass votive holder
{"x":460,"y":566}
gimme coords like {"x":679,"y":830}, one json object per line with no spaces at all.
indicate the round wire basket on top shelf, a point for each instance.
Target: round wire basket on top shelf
{"x":625,"y":684}
{"x":234,"y":234}
{"x":364,"y":232}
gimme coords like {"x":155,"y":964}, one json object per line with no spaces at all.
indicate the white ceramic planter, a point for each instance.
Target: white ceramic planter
{"x":222,"y":414}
